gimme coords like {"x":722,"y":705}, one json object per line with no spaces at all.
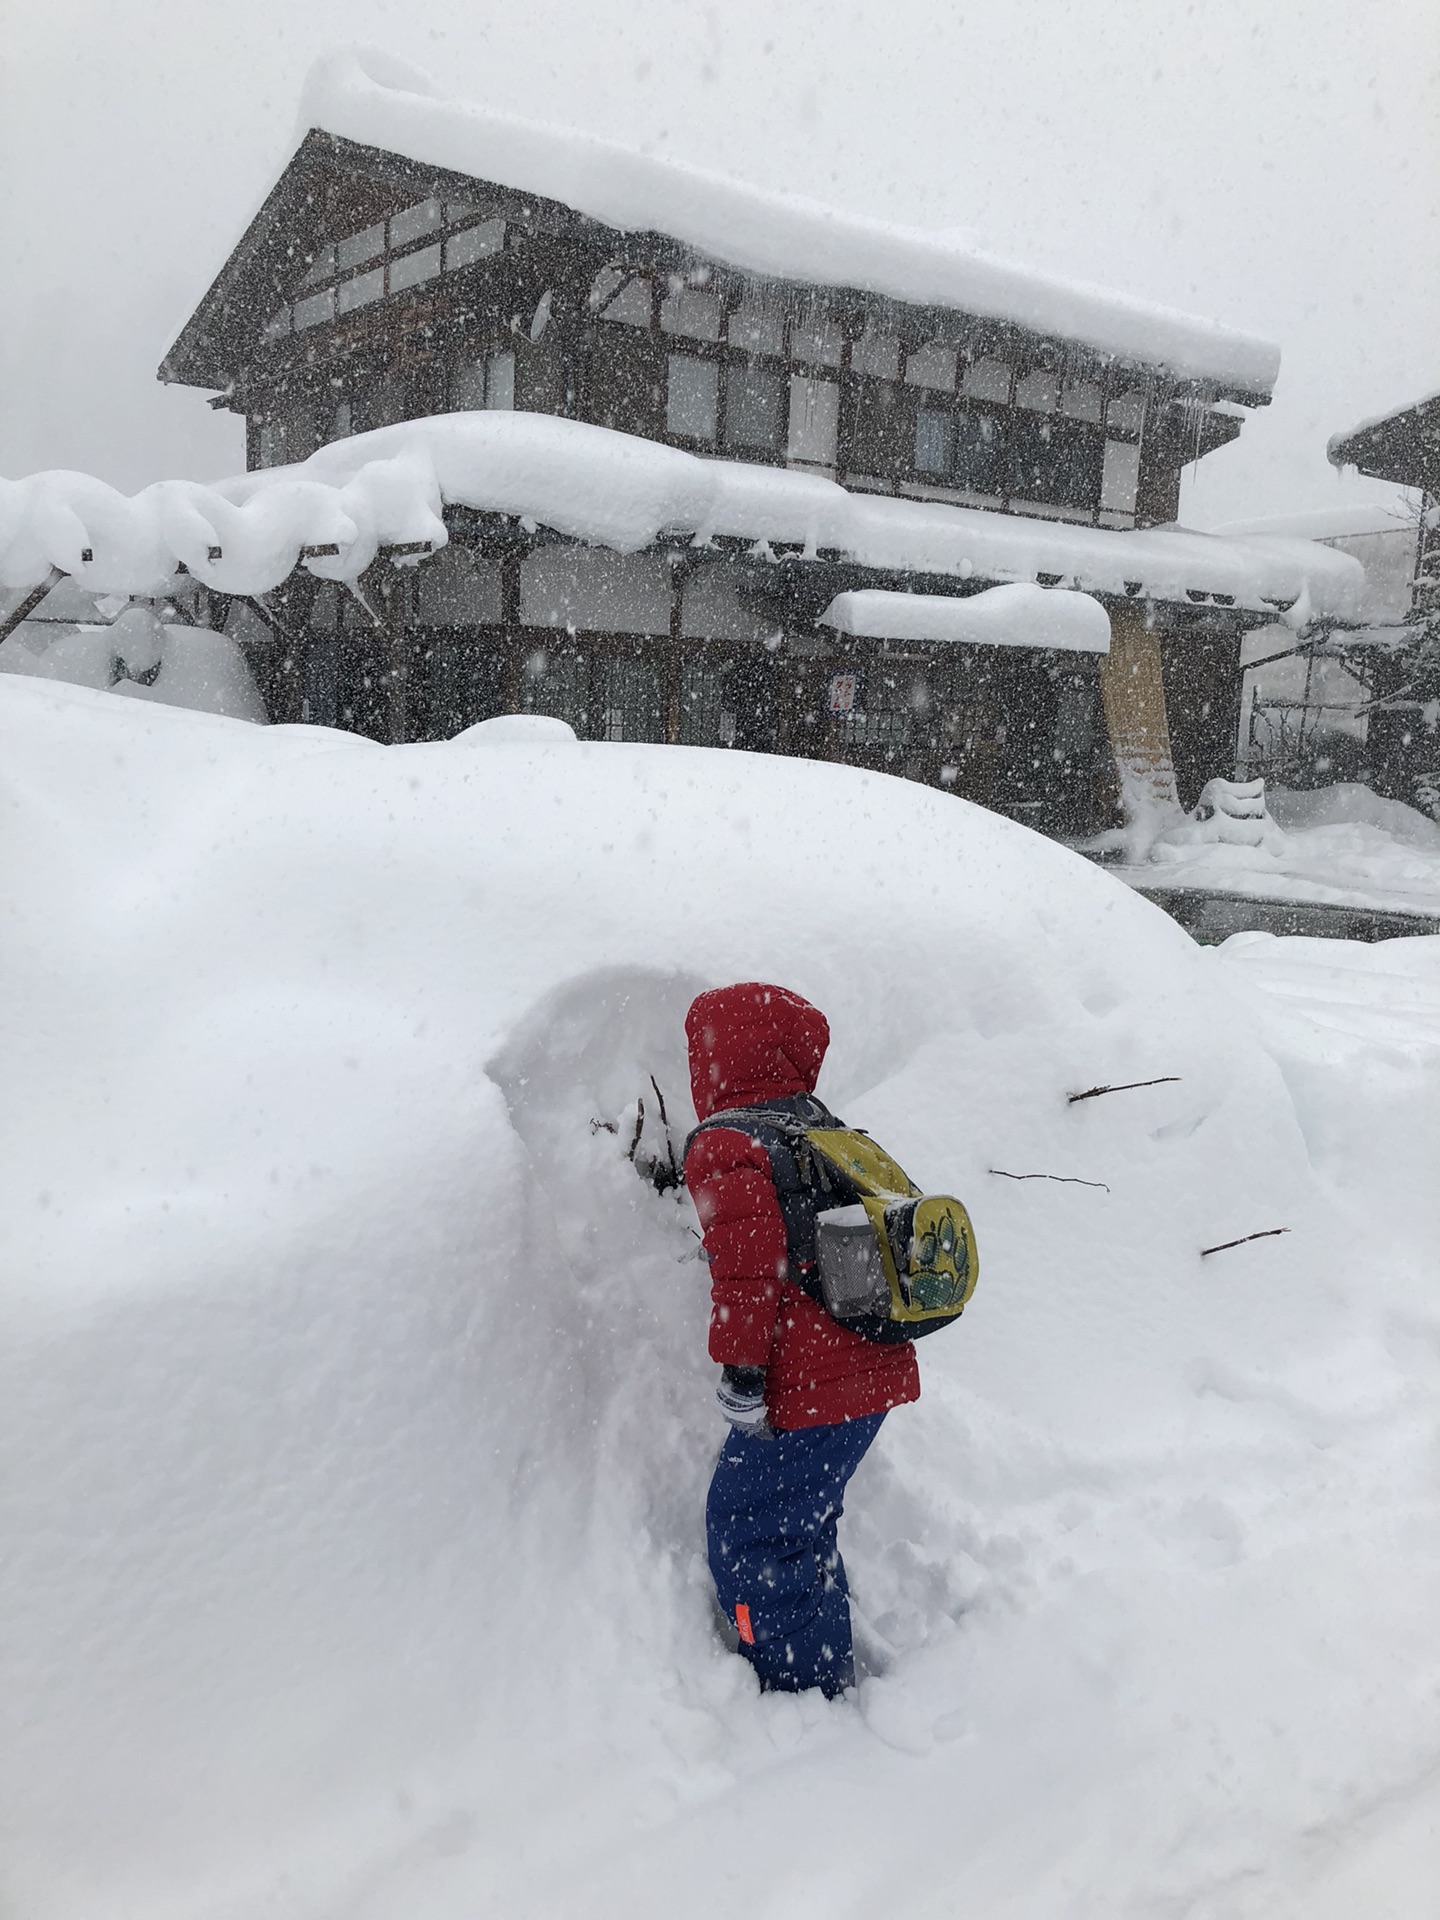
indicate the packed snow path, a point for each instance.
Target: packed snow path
{"x":356,"y":1560}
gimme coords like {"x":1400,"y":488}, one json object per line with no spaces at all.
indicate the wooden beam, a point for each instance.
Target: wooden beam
{"x":1133,"y":691}
{"x":19,"y":614}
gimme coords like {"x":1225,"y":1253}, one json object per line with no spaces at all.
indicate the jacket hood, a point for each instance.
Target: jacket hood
{"x":752,"y":1042}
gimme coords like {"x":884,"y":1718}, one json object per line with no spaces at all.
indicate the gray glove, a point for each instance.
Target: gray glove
{"x":741,"y":1394}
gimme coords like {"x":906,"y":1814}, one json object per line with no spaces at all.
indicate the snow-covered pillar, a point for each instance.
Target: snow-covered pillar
{"x":1133,"y":691}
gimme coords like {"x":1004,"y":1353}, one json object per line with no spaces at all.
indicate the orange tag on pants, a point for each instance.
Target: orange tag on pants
{"x":742,"y":1621}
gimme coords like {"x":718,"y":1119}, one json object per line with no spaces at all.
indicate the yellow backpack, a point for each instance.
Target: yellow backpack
{"x":883,"y":1258}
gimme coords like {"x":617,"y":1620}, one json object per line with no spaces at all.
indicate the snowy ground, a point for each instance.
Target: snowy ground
{"x":360,"y":1394}
{"x":1341,"y":846}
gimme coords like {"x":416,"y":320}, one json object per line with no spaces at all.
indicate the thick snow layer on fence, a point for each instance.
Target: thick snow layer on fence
{"x":336,"y":510}
{"x":369,"y":97}
{"x":357,"y":1390}
{"x":1013,"y":616}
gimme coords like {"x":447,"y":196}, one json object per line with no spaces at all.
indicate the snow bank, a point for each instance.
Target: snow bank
{"x":140,"y":658}
{"x":1338,"y":846}
{"x":355,"y":1567}
{"x":369,"y":97}
{"x":1014,"y":616}
{"x":389,"y":488}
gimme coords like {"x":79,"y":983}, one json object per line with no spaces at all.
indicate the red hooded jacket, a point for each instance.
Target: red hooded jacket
{"x":756,"y":1042}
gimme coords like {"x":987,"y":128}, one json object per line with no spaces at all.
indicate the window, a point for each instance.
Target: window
{"x":932,"y":366}
{"x":814,"y":419}
{"x":816,"y":341}
{"x":1039,"y":391}
{"x":486,"y":382}
{"x":412,"y":269}
{"x":632,"y":305}
{"x":279,"y":326}
{"x":1081,"y":400}
{"x":604,"y":286}
{"x":1121,"y":477}
{"x":692,"y":401}
{"x":987,"y":380}
{"x":322,"y":267}
{"x":312,"y":312}
{"x":360,"y":291}
{"x":876,"y":353}
{"x":500,"y":382}
{"x":1125,"y":414}
{"x":967,"y":448}
{"x":631,"y":702}
{"x":475,"y":243}
{"x":361,"y":247}
{"x":754,"y":408}
{"x":343,"y":424}
{"x":934,"y":442}
{"x":414,"y":222}
{"x":758,"y":324}
{"x":692,"y":311}
{"x":453,"y":589}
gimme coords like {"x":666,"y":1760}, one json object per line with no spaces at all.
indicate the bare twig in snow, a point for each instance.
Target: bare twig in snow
{"x":1128,"y":1086}
{"x":1065,"y":1179}
{"x":1267,"y":1233}
{"x":665,"y":1122}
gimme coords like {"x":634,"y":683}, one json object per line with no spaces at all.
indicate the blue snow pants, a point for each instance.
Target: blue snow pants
{"x":770,"y":1521}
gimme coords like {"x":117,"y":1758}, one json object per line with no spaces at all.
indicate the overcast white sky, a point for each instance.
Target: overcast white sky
{"x":1272,"y":165}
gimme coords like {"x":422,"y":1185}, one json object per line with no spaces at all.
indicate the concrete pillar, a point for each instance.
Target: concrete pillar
{"x":1133,"y":692}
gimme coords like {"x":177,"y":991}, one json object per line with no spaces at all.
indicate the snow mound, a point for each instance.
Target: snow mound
{"x":1349,"y":804}
{"x":356,"y":1566}
{"x":140,"y":658}
{"x":516,"y":729}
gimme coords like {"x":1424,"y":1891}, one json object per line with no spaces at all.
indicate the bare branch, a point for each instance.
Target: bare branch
{"x":1066,"y":1179}
{"x":1268,"y":1233}
{"x":1128,"y":1086}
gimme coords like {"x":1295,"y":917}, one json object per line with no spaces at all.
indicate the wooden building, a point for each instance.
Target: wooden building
{"x":1400,"y":665}
{"x":988,"y":425}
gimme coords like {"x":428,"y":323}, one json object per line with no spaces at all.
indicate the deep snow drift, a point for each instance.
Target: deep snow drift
{"x":358,"y":1391}
{"x":1340,"y":845}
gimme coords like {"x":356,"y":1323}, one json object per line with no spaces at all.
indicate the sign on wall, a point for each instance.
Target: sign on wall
{"x":844,"y":694}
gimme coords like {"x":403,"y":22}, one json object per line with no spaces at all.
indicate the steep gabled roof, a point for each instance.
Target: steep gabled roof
{"x":382,"y":115}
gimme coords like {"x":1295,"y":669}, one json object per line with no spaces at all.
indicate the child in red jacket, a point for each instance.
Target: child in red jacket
{"x":804,"y":1395}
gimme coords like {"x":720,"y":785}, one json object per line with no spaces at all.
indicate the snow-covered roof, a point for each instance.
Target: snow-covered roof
{"x":1357,"y":520}
{"x":1339,"y":442}
{"x":389,"y":488}
{"x":370,"y":98}
{"x":1020,"y":615}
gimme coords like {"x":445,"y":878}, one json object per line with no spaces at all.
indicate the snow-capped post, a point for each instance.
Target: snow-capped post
{"x":394,"y":599}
